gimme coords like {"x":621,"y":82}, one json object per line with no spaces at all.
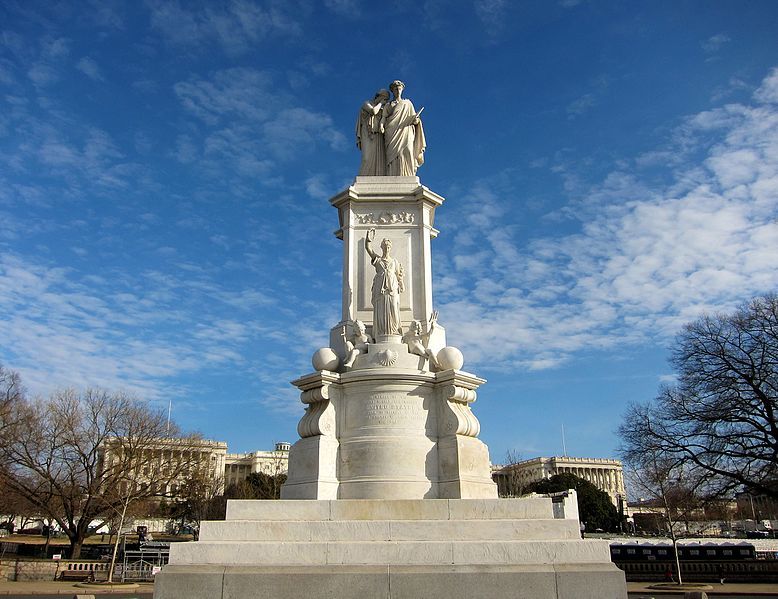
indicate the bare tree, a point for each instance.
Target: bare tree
{"x":510,"y":480}
{"x":719,"y":419}
{"x":11,"y":395}
{"x":11,"y":398}
{"x":676,"y":494}
{"x":79,"y":458}
{"x":13,"y":506}
{"x":200,"y":497}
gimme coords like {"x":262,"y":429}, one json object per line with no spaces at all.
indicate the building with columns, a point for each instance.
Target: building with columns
{"x":187,"y":456}
{"x":237,"y":466}
{"x":607,"y":475}
{"x":166,"y":464}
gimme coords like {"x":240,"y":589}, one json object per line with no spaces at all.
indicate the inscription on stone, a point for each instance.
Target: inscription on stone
{"x":390,"y":408}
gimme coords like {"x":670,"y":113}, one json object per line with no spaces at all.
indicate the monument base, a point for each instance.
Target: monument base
{"x":389,"y":431}
{"x":447,"y":549}
{"x":392,"y":582}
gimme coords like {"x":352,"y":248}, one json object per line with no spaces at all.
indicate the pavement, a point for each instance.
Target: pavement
{"x":712,"y":589}
{"x":48,"y":587}
{"x":147,"y":588}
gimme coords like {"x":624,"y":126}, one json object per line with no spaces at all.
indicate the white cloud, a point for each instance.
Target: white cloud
{"x":240,"y":92}
{"x":318,"y":187}
{"x":715,"y":42}
{"x":768,"y":91}
{"x":251,"y":124}
{"x":107,"y":13}
{"x":96,"y":159}
{"x":43,"y":74}
{"x":66,"y":329}
{"x":236,"y":25}
{"x":491,"y":13}
{"x":55,"y":48}
{"x":581,"y":105}
{"x":646,"y":260}
{"x":587,"y":101}
{"x":89,"y":68}
{"x":345,"y":8}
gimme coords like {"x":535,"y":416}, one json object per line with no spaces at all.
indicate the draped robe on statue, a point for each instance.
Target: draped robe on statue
{"x":386,"y":296}
{"x":404,"y":141}
{"x":371,"y":142}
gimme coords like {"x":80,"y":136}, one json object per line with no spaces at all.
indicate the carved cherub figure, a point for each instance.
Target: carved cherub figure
{"x":417,"y":340}
{"x":357,"y":344}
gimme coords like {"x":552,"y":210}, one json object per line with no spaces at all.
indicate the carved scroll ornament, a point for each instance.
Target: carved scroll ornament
{"x":461,"y":420}
{"x":319,"y":417}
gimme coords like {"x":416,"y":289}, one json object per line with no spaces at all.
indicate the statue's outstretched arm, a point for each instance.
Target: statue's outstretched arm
{"x":368,"y":244}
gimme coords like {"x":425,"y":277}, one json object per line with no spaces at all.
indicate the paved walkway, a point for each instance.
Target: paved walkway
{"x":147,"y":588}
{"x":735,"y":588}
{"x":68,"y":589}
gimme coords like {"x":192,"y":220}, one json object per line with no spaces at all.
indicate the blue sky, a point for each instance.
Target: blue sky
{"x":610,"y":170}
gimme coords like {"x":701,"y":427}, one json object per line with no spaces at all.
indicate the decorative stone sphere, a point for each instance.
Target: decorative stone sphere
{"x":450,"y":358}
{"x":325,"y":359}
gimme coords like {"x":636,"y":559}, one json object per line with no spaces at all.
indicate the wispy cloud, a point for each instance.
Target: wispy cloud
{"x":715,"y":42}
{"x":491,"y":13}
{"x":235,"y":26}
{"x":106,"y":13}
{"x":89,"y":68}
{"x":67,"y":328}
{"x":251,"y":124}
{"x":580,"y":105}
{"x":346,"y":8}
{"x":587,"y":101}
{"x":647,"y":258}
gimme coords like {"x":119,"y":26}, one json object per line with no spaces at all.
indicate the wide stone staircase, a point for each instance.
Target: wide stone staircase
{"x":387,"y":549}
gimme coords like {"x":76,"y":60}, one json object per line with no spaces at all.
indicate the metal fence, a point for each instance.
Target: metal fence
{"x":704,"y":571}
{"x":142,"y":565}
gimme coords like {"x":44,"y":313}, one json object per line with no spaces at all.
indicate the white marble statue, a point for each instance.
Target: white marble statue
{"x":387,"y":286}
{"x":370,"y":136}
{"x":357,"y":344}
{"x":403,"y":134}
{"x":417,"y":340}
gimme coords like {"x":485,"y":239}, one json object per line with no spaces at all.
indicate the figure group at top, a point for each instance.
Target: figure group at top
{"x":390,"y":135}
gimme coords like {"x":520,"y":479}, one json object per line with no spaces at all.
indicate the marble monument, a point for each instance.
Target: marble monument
{"x":389,"y":492}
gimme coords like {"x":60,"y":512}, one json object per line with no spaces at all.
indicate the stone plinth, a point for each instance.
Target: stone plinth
{"x":380,"y":432}
{"x":486,"y":548}
{"x":388,"y":412}
{"x":400,"y":209}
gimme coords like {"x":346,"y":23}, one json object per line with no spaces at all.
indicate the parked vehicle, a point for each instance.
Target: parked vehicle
{"x":688,"y":551}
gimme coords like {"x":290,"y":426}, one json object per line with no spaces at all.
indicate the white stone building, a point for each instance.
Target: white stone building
{"x":603,"y":473}
{"x":237,"y":466}
{"x":183,"y":456}
{"x":206,"y":456}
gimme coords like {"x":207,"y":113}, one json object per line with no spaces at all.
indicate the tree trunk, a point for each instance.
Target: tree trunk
{"x":48,"y":540}
{"x":118,"y":536}
{"x":677,"y":561}
{"x":75,"y":547}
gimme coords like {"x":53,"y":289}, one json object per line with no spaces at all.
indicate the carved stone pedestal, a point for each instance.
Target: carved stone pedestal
{"x":391,"y":423}
{"x":390,"y":433}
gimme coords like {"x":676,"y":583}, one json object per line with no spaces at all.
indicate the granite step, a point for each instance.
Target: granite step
{"x":525,"y":508}
{"x":390,"y":552}
{"x":388,"y":530}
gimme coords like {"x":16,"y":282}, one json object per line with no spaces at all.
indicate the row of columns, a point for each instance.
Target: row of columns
{"x":607,"y":479}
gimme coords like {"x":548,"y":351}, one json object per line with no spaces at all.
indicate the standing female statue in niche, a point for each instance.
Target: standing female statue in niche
{"x":370,"y":137}
{"x":387,"y":286}
{"x":403,"y":134}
